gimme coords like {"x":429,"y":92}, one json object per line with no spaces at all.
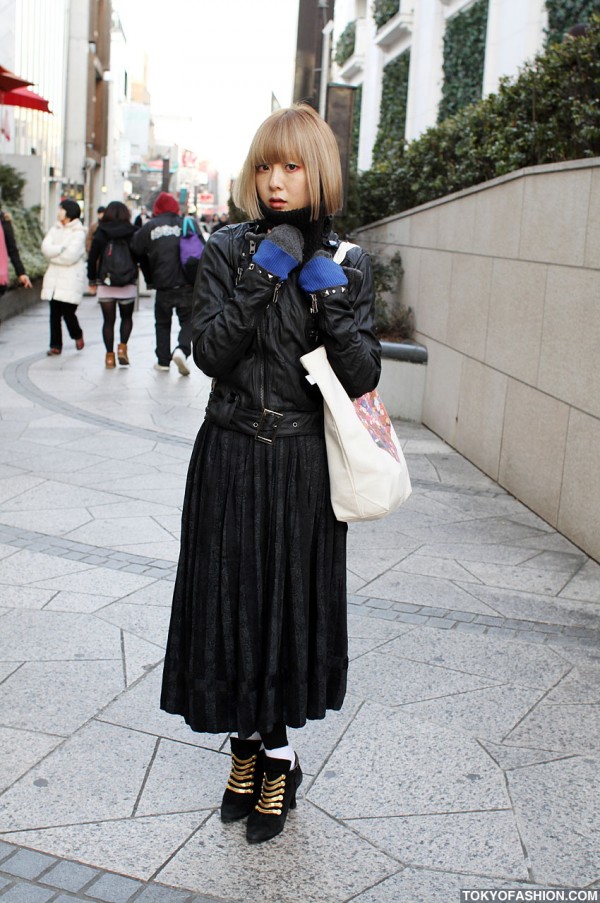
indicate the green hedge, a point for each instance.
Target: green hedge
{"x":29,"y":235}
{"x":346,"y":43}
{"x":563,"y":14}
{"x":548,"y":114}
{"x":392,"y":117}
{"x":464,"y":59}
{"x":383,"y":10}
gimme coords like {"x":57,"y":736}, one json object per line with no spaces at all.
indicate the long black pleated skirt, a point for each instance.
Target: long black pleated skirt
{"x":258,"y":632}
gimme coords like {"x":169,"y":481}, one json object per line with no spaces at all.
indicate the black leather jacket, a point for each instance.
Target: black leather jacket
{"x":250,"y":329}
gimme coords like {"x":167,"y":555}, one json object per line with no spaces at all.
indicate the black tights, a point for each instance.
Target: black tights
{"x":276,"y":738}
{"x":109,"y":314}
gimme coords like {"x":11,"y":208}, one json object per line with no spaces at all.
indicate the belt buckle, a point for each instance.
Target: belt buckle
{"x":263,"y":424}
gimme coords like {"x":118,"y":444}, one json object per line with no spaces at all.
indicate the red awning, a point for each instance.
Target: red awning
{"x":24,"y":97}
{"x":9,"y":81}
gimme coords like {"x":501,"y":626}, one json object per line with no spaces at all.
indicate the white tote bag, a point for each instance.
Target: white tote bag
{"x":367,"y":470}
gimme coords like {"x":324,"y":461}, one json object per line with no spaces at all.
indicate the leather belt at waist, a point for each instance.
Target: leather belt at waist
{"x":267,"y":425}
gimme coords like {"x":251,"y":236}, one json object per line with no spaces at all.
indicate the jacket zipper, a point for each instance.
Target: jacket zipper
{"x":262,"y":337}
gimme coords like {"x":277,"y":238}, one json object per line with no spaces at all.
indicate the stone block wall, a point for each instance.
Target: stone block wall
{"x":505,"y":284}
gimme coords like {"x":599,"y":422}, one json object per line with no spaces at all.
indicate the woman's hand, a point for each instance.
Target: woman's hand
{"x":281,"y":252}
{"x":25,"y":281}
{"x":321,"y":272}
{"x":92,"y":289}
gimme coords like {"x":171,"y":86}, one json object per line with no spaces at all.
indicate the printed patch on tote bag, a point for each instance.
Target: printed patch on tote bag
{"x":372,"y":414}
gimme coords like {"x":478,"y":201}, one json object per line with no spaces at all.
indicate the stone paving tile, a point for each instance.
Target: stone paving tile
{"x":556,"y":804}
{"x":585,"y":585}
{"x":479,"y":842}
{"x":75,"y":691}
{"x":72,"y":785}
{"x":456,"y":517}
{"x":334,"y":863}
{"x":23,"y":892}
{"x":489,"y":713}
{"x":27,"y":864}
{"x":562,"y":727}
{"x":431,"y":767}
{"x":114,"y":888}
{"x":70,"y":876}
{"x":157,"y":893}
{"x":395,"y":681}
{"x":487,"y":657}
{"x":397,"y":586}
{"x":59,"y":636}
{"x":538,"y":607}
{"x":20,"y":751}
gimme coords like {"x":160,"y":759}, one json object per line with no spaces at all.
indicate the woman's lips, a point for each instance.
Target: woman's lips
{"x":277,"y":202}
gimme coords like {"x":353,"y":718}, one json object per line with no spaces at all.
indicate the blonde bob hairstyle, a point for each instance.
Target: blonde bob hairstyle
{"x":295,"y":134}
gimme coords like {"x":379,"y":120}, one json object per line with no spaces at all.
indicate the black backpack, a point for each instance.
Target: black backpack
{"x":117,"y":266}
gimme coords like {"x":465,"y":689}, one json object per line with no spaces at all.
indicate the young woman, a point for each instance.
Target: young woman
{"x":258,"y":637}
{"x":64,"y":280}
{"x":116,"y":288}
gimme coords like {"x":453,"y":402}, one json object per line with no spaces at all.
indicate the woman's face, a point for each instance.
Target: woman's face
{"x":282,"y":186}
{"x":62,"y":216}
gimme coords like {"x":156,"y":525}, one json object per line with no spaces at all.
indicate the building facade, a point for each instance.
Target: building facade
{"x":406,"y":45}
{"x":63,"y":48}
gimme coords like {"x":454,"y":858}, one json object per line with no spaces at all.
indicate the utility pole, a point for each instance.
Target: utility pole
{"x":166,"y":174}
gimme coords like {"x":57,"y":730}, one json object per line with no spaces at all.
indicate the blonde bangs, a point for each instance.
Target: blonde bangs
{"x":295,"y":134}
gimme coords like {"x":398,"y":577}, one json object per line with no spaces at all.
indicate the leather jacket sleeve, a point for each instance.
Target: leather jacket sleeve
{"x":345,"y":320}
{"x":226,"y":315}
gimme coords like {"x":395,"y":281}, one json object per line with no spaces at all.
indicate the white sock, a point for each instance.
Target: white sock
{"x":282,"y":752}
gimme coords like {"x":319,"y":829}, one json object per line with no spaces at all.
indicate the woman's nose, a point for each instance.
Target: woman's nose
{"x":276,"y":180}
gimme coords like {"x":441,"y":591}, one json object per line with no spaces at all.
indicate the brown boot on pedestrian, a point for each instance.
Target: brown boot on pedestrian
{"x":122,"y":355}
{"x":110,"y":360}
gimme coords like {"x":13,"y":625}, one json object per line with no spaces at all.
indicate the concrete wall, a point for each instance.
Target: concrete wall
{"x":504,"y":282}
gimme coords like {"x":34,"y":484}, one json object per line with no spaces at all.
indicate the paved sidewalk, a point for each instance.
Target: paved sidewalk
{"x":467,"y":752}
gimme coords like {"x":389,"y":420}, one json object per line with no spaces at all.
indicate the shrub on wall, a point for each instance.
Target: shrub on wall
{"x":28,"y":235}
{"x":346,"y":44}
{"x":464,"y":58}
{"x":393,"y":321}
{"x":548,"y":114}
{"x":563,"y":14}
{"x":383,"y":10}
{"x":392,"y":116}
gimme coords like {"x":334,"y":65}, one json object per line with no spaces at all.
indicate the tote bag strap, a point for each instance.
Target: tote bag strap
{"x":342,"y":250}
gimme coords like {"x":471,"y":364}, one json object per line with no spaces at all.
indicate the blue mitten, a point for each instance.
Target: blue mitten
{"x":321,"y":272}
{"x":281,"y":251}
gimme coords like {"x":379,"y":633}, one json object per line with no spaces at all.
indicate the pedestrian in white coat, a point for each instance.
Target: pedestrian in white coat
{"x":65,"y":279}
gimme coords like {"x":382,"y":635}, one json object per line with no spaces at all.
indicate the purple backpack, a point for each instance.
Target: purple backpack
{"x":191,"y":247}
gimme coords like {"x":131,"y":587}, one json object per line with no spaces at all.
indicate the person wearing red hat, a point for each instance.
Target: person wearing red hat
{"x":157,"y":246}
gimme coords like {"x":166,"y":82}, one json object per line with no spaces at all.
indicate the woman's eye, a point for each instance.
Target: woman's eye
{"x":262,"y":167}
{"x":292,"y":167}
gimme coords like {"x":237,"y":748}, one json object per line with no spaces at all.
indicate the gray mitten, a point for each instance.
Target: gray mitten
{"x":289,"y":239}
{"x":281,"y":251}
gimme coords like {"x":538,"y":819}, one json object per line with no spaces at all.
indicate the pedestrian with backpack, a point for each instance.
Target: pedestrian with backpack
{"x":112,"y":276}
{"x":157,"y":244}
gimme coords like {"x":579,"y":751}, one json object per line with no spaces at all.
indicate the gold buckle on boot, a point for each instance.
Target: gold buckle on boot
{"x":241,"y":778}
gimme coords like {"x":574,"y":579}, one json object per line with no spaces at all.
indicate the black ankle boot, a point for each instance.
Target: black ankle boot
{"x":277,"y":797}
{"x":245,"y":779}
